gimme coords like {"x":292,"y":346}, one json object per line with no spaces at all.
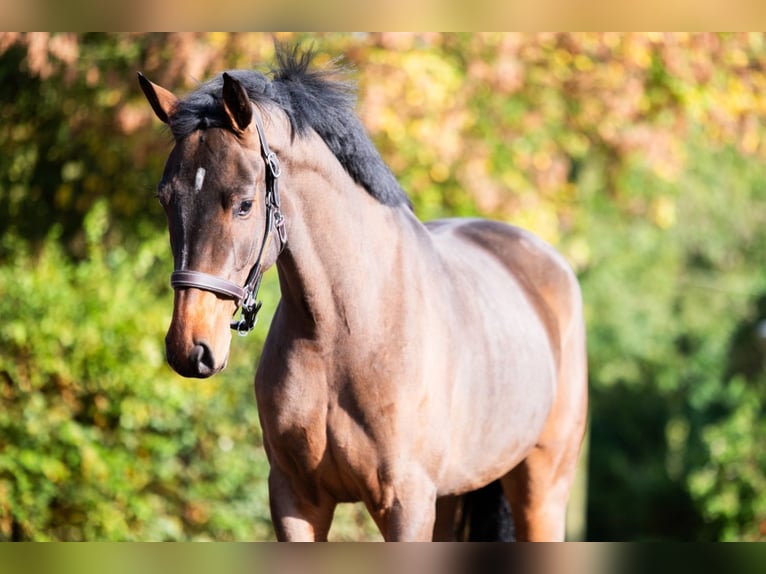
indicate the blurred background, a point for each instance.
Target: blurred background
{"x":639,"y":156}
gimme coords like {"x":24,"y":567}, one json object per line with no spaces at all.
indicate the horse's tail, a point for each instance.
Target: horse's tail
{"x":485,"y":516}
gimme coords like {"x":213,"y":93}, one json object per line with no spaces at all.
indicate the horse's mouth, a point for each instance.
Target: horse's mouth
{"x":199,"y":363}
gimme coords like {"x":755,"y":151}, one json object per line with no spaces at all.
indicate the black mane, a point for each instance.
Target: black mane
{"x":312,"y":100}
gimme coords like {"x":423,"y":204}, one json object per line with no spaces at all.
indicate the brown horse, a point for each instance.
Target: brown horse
{"x":407,"y":363}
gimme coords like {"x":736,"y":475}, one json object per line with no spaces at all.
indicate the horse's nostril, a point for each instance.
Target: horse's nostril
{"x":202,"y":358}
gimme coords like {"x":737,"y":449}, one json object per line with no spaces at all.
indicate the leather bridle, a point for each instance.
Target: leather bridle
{"x":245,"y":297}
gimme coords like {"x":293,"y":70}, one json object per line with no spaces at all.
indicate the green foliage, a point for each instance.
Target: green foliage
{"x":99,"y":439}
{"x":664,"y":307}
{"x":58,"y":101}
{"x":640,"y":156}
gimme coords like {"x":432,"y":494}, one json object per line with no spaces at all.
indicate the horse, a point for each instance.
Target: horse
{"x":407,"y":363}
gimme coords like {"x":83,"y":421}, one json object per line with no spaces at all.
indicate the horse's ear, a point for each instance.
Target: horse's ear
{"x":236,"y":103}
{"x":163,"y":102}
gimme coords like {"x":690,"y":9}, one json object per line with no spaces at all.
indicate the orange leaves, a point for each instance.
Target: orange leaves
{"x":472,"y":121}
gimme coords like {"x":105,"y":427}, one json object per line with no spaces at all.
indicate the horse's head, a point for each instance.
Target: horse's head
{"x":218,"y":190}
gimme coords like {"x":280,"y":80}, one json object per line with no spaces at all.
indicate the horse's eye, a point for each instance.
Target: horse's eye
{"x":245,"y":207}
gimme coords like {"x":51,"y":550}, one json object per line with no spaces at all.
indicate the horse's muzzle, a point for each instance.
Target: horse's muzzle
{"x":198,"y":339}
{"x":200,"y":362}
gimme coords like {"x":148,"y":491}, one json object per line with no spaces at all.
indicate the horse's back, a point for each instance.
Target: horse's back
{"x":545,"y":277}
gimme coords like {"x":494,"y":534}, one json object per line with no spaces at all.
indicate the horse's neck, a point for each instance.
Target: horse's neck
{"x":343,"y":248}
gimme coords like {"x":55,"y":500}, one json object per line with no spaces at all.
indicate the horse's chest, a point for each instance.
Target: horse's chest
{"x":321,"y":446}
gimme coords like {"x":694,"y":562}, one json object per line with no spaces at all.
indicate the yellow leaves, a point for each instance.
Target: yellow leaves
{"x":439,"y":172}
{"x":561,"y":58}
{"x":539,"y":219}
{"x":583,"y":63}
{"x":751,"y":135}
{"x":92,"y":465}
{"x":393,"y":126}
{"x":578,"y":253}
{"x":574,"y":144}
{"x":422,"y":78}
{"x":736,"y":58}
{"x":109,"y":98}
{"x":638,"y":51}
{"x":218,"y":39}
{"x":737,"y":97}
{"x":432,"y":81}
{"x":413,"y":103}
{"x":204,"y":389}
{"x":134,"y":414}
{"x":663,"y":212}
{"x":731,"y":110}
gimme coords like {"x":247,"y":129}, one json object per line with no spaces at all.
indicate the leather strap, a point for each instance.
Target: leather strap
{"x":187,"y":278}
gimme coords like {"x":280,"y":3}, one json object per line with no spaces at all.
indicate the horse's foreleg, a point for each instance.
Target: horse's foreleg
{"x":295,"y":517}
{"x":409,"y":513}
{"x":411,"y":522}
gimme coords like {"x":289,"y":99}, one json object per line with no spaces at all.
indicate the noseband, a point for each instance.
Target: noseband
{"x":245,"y":296}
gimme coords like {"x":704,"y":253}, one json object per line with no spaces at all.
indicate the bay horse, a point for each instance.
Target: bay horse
{"x":406,"y":363}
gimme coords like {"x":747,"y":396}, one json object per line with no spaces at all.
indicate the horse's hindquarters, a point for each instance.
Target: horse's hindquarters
{"x":198,"y":339}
